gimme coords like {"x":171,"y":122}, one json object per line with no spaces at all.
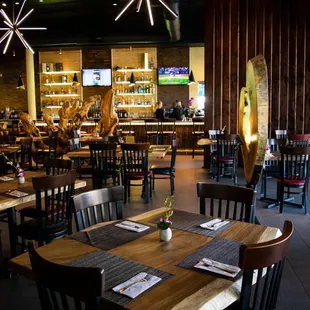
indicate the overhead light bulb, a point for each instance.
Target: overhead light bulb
{"x":114,"y":4}
{"x":3,"y":4}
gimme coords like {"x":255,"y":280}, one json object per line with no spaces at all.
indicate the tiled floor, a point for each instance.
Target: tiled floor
{"x":19,"y":293}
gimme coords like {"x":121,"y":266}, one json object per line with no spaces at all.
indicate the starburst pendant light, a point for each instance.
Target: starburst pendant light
{"x":14,"y":27}
{"x":148,"y":4}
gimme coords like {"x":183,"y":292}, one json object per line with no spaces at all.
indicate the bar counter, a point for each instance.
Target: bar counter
{"x":183,"y":129}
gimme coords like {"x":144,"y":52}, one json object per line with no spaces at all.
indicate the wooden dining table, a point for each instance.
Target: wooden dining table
{"x":186,"y":288}
{"x":9,"y":203}
{"x":155,"y":151}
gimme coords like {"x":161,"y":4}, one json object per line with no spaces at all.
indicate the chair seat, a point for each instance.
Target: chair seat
{"x":30,"y":231}
{"x":168,"y":132}
{"x":31,"y":212}
{"x":156,"y":167}
{"x":224,"y":159}
{"x":166,"y":170}
{"x":197,"y":133}
{"x":127,"y":132}
{"x":152,"y":133}
{"x":137,"y":175}
{"x":293,"y":182}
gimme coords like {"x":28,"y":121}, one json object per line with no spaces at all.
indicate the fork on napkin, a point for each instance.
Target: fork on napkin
{"x":17,"y":194}
{"x":132,"y":226}
{"x":214,"y":224}
{"x":217,"y":267}
{"x":136,"y":285}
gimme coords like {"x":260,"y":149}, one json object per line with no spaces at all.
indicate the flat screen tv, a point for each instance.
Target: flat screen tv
{"x":96,"y":77}
{"x":173,"y":76}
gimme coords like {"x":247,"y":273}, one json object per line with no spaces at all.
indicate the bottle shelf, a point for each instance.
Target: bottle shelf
{"x":60,"y":72}
{"x":134,"y":70}
{"x":137,"y":82}
{"x":53,"y":106}
{"x":63,"y":95}
{"x":134,"y":94}
{"x":134,"y":106}
{"x":57,"y":84}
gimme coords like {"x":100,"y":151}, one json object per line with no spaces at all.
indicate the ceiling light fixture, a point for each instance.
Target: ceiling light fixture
{"x":132,"y":79}
{"x":148,"y":3}
{"x":13,"y":27}
{"x":3,"y":4}
{"x":191,"y":79}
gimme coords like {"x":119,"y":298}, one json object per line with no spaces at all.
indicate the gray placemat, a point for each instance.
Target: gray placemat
{"x":219,"y":249}
{"x":191,"y":221}
{"x":110,"y":236}
{"x":117,"y":270}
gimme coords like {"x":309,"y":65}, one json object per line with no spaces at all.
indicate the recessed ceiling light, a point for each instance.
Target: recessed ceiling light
{"x":40,"y":0}
{"x":3,"y":4}
{"x":115,"y":4}
{"x":17,"y":3}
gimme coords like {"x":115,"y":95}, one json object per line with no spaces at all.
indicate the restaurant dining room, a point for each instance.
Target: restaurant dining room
{"x":154,"y":154}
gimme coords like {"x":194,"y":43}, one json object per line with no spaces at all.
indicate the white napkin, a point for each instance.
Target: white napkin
{"x":13,"y":147}
{"x":135,"y":285}
{"x":214,"y":224}
{"x":5,"y":178}
{"x":17,"y":193}
{"x":217,"y":267}
{"x":132,"y":226}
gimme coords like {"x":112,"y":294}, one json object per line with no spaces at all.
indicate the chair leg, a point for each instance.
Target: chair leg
{"x":171,"y":185}
{"x":281,"y":186}
{"x":150,"y":187}
{"x":125,"y":191}
{"x":146,"y":190}
{"x":193,"y":149}
{"x":153,"y":176}
{"x":218,"y":172}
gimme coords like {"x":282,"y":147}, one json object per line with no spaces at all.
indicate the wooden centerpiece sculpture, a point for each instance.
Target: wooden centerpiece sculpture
{"x":253,"y":119}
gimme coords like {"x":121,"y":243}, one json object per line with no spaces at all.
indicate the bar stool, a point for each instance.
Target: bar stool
{"x":152,"y":130}
{"x":167,"y":130}
{"x":281,"y":134}
{"x":124,"y":125}
{"x":198,"y":131}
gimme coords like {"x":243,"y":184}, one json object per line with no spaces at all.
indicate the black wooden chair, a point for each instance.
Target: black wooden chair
{"x":281,"y":134}
{"x":59,"y":285}
{"x":197,"y":133}
{"x":104,"y":164}
{"x":271,"y":167}
{"x":298,"y":140}
{"x":166,"y":172}
{"x":55,"y":166}
{"x":225,"y":160}
{"x":26,"y":153}
{"x":89,"y":207}
{"x":294,"y":174}
{"x":53,"y":212}
{"x":226,"y":201}
{"x":265,"y":261}
{"x":213,"y":148}
{"x":135,"y":166}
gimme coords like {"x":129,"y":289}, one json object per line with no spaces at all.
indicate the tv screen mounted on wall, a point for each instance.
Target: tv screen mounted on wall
{"x":173,"y":75}
{"x":96,"y":77}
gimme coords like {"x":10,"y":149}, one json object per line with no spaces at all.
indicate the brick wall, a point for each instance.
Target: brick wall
{"x":173,"y":57}
{"x":96,"y":59}
{"x":10,"y":69}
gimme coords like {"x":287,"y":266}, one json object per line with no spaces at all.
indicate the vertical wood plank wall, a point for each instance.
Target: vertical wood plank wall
{"x":237,"y":30}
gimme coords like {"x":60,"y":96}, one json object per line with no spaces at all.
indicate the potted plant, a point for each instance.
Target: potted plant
{"x":165,"y":221}
{"x":20,"y":173}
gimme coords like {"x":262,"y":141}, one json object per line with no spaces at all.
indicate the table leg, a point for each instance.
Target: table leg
{"x":12,"y":224}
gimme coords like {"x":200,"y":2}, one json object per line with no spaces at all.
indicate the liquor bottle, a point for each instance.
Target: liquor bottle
{"x":125,"y":78}
{"x":152,"y":63}
{"x":142,"y":76}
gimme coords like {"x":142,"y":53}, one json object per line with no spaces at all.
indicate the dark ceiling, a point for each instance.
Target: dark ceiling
{"x":91,"y":22}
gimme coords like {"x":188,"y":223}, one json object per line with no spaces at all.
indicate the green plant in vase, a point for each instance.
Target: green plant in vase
{"x":165,"y":222}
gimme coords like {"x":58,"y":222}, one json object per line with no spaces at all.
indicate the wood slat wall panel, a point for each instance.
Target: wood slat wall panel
{"x":241,"y":29}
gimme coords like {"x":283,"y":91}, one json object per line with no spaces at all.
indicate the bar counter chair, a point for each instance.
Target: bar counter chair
{"x":212,"y":136}
{"x":227,"y":201}
{"x":265,"y":262}
{"x":97,"y":206}
{"x":167,"y":131}
{"x":53,"y":212}
{"x":197,"y":133}
{"x":281,"y":134}
{"x":135,"y":168}
{"x":61,"y":285}
{"x":124,"y":124}
{"x":294,"y":174}
{"x":152,"y":130}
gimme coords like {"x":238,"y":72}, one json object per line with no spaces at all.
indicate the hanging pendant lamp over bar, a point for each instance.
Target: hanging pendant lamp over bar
{"x":20,"y":83}
{"x":132,"y":79}
{"x":191,"y":79}
{"x":149,"y":9}
{"x":75,"y":80}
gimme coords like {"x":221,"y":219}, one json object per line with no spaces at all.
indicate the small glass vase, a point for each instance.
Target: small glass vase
{"x":21,"y":180}
{"x":165,"y":234}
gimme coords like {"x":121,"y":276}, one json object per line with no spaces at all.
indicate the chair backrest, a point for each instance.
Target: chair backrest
{"x":274,"y":147}
{"x":212,"y":135}
{"x":104,"y":162}
{"x":75,"y":144}
{"x":226,"y":145}
{"x":264,"y":261}
{"x":26,"y":148}
{"x":52,"y":142}
{"x":136,"y":157}
{"x":55,"y":166}
{"x":152,"y":126}
{"x":57,"y":284}
{"x":198,"y":125}
{"x":89,"y":207}
{"x":226,"y":201}
{"x":281,"y":134}
{"x":7,"y":139}
{"x":53,"y":195}
{"x":294,"y":163}
{"x":299,"y":140}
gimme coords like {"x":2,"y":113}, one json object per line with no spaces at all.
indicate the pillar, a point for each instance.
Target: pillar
{"x":30,"y":85}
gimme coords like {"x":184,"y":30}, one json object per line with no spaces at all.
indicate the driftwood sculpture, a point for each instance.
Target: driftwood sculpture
{"x":109,"y":117}
{"x":66,"y":131}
